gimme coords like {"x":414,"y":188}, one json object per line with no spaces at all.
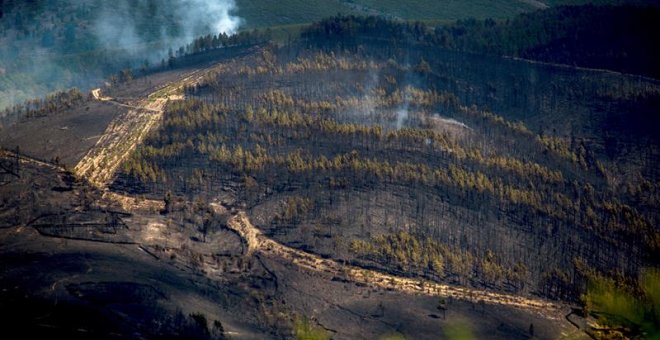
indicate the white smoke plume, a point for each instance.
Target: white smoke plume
{"x":89,"y":39}
{"x":137,"y":26}
{"x":402,"y":112}
{"x":217,"y":12}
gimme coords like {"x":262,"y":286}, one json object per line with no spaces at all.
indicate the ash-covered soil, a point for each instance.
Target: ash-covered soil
{"x":66,"y":135}
{"x":354,"y":311}
{"x":76,"y":264}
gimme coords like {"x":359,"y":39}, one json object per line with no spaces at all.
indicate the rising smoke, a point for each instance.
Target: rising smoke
{"x":139,"y":26}
{"x":402,"y":112}
{"x":55,"y":44}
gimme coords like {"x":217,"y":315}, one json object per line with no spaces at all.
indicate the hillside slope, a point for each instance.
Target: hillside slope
{"x":361,"y":181}
{"x":391,"y":160}
{"x":50,"y":45}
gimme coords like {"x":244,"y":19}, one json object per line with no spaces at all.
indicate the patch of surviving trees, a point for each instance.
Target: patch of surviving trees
{"x":41,"y":107}
{"x":620,"y":38}
{"x":355,"y":147}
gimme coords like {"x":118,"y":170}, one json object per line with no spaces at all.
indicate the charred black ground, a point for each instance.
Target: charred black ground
{"x":329,"y":185}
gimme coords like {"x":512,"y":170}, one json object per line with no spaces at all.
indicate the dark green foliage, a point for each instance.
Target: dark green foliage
{"x":616,"y":38}
{"x":625,"y":310}
{"x":210,"y":42}
{"x":201,"y":321}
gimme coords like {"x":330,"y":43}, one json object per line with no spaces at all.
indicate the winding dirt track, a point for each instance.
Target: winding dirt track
{"x":255,"y":241}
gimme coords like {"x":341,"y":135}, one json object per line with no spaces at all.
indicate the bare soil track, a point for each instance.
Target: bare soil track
{"x":74,"y":272}
{"x":127,"y":131}
{"x":257,"y":242}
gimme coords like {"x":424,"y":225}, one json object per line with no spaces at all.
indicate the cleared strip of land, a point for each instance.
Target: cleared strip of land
{"x":256,"y":242}
{"x":128,"y":130}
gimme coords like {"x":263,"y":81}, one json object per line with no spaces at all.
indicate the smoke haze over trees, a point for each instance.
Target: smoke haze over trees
{"x":49,"y":44}
{"x":46,"y":45}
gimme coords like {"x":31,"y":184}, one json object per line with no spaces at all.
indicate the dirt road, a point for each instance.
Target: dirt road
{"x":255,"y":241}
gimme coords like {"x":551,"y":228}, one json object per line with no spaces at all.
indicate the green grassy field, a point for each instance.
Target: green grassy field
{"x":600,"y":2}
{"x":266,"y":13}
{"x":269,"y":13}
